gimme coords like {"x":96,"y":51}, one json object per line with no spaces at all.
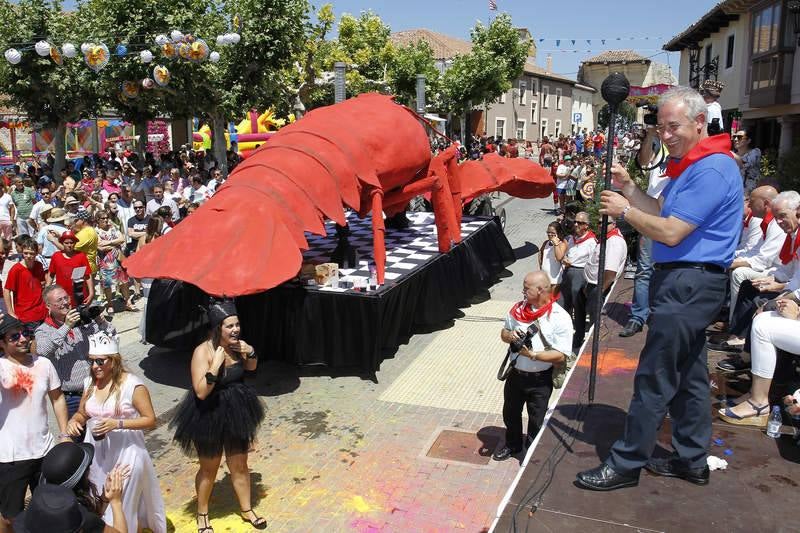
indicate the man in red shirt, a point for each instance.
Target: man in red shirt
{"x":23,"y":289}
{"x":64,"y":262}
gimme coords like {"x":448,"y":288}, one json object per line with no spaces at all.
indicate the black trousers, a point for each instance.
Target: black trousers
{"x":583,"y":303}
{"x":531,"y":390}
{"x":572,"y":283}
{"x":747,"y":302}
{"x":673,"y":370}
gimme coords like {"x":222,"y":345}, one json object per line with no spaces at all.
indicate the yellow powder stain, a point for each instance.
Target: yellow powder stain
{"x":358,"y":503}
{"x":181,"y":521}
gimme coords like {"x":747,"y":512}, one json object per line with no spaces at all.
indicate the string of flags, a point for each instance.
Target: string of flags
{"x":602,"y":41}
{"x":576,"y":50}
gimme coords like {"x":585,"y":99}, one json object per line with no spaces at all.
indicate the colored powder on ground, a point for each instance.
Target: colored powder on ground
{"x":611,"y":362}
{"x":359,"y":504}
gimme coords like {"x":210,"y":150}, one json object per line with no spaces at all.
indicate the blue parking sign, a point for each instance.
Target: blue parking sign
{"x":577,"y":118}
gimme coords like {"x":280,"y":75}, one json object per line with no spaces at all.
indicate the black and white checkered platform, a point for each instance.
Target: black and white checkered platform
{"x":407,"y":250}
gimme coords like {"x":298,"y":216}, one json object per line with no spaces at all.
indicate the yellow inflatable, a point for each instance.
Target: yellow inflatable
{"x":253,"y":131}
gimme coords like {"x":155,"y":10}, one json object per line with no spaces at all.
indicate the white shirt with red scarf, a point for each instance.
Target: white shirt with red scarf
{"x":557,"y":329}
{"x":616,"y":254}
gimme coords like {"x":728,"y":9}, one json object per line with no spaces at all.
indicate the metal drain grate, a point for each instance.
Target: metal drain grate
{"x":464,"y":447}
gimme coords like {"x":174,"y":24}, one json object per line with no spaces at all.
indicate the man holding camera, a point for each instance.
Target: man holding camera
{"x":63,"y":338}
{"x":530,"y":381}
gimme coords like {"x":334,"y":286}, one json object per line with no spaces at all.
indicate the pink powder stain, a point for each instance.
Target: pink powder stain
{"x":23,"y":380}
{"x":365,"y":526}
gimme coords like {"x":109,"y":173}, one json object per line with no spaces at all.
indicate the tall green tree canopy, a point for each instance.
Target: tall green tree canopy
{"x":407,"y":63}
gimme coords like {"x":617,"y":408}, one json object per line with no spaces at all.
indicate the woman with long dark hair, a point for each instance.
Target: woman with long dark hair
{"x":221,"y":414}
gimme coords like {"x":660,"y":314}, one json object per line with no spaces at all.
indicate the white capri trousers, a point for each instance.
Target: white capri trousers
{"x":738,"y":276}
{"x":771,"y":332}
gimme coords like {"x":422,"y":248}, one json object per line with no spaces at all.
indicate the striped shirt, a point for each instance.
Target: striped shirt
{"x":68,"y":350}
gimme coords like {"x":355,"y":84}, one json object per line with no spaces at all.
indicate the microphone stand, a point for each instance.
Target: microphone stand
{"x":614,"y":90}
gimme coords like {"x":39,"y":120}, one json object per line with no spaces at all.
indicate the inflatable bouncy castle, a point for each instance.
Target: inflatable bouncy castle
{"x":249,"y":134}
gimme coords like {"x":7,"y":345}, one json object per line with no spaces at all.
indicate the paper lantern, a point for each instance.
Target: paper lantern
{"x":148,"y":83}
{"x":13,"y":56}
{"x":176,"y":36}
{"x":85,"y":48}
{"x":68,"y":50}
{"x":121,"y":50}
{"x":221,"y":40}
{"x":146,"y":56}
{"x":161,"y":39}
{"x":169,"y":50}
{"x":130,"y":89}
{"x":195,"y":52}
{"x":42,"y":48}
{"x":161,"y":75}
{"x":213,"y":56}
{"x":55,"y":55}
{"x":234,"y":38}
{"x":97,"y":57}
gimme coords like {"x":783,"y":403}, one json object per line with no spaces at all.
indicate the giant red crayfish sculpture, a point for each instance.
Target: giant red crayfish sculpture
{"x":367,"y":153}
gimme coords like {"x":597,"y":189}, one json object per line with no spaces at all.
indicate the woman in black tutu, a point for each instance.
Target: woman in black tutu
{"x":221,"y":413}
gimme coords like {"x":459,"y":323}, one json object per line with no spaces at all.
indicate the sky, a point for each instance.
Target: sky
{"x":580,"y":20}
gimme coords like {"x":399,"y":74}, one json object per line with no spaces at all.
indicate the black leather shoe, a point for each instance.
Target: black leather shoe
{"x":725,"y":346}
{"x":631,"y":328}
{"x":606,"y":478}
{"x":734,"y":363}
{"x":670,"y":467}
{"x":504,"y":453}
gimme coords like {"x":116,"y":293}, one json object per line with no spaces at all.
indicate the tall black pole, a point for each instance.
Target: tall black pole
{"x":615,"y":90}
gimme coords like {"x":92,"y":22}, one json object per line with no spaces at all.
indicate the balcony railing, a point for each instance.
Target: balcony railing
{"x":771,"y":79}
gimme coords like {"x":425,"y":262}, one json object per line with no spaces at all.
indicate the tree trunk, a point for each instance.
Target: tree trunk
{"x":220,"y":149}
{"x":60,"y":145}
{"x":141,"y":132}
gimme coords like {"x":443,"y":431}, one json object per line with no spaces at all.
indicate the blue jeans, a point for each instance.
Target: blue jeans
{"x":640,"y":309}
{"x":73,"y":402}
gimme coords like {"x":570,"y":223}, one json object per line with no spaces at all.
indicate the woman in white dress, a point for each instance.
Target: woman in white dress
{"x":551,"y":253}
{"x":115,"y":408}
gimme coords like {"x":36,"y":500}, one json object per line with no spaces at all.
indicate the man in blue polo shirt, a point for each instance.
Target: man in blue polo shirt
{"x":695,"y":228}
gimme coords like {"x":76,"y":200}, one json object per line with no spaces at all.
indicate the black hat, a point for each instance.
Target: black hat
{"x":7,"y":323}
{"x":66,"y":463}
{"x":53,"y":509}
{"x":219,"y":310}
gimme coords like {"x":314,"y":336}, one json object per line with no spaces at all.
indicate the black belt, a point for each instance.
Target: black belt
{"x":73,"y":393}
{"x":539,"y":373}
{"x":708,"y":267}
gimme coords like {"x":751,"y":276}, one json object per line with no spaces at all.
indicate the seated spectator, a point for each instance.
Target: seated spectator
{"x":751,"y":231}
{"x":66,"y":468}
{"x":551,"y":254}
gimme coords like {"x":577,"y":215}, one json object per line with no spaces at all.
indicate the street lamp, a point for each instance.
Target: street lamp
{"x":339,"y":69}
{"x":794,"y":8}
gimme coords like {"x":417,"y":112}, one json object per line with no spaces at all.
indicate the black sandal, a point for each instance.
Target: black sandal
{"x":207,"y":527}
{"x":258,"y":523}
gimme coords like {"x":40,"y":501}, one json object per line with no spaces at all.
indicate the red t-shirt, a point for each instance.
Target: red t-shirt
{"x":27,"y":288}
{"x":62,"y":266}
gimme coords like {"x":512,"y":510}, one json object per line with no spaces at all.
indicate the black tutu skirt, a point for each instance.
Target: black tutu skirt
{"x":227,"y":420}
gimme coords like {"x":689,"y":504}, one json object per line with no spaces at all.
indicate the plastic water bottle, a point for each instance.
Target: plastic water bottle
{"x":775,"y":422}
{"x":373,"y":276}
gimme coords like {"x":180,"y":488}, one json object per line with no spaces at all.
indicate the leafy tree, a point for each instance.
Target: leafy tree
{"x":408,"y":62}
{"x":497,"y":58}
{"x":626,"y":116}
{"x":50,"y":95}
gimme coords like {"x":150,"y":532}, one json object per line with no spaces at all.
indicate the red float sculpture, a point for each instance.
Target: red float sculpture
{"x":367,"y":153}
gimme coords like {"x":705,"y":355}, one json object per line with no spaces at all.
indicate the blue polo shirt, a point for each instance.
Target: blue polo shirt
{"x":708,"y":195}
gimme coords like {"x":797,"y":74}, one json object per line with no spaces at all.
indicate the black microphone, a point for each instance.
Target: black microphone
{"x":615,"y":89}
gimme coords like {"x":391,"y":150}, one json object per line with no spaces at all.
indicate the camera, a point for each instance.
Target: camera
{"x":87,"y":312}
{"x":651,"y":115}
{"x":517,"y":345}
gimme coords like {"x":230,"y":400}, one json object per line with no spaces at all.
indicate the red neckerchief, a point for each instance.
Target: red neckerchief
{"x":522,"y":311}
{"x":748,"y":219}
{"x":589,"y":235}
{"x":717,"y":144}
{"x":789,"y":248}
{"x":614,"y":232}
{"x":765,"y":223}
{"x":50,"y":322}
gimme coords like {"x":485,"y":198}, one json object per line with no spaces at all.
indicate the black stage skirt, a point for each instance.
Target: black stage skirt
{"x":227,"y":420}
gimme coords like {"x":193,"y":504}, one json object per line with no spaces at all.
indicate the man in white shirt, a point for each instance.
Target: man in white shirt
{"x":755,"y":263}
{"x":711,"y":91}
{"x":530,"y":380}
{"x":216,"y":182}
{"x":35,"y":220}
{"x":616,"y":255}
{"x":27,"y":382}
{"x":159,"y":200}
{"x":197,"y":193}
{"x":751,"y":231}
{"x":579,"y":247}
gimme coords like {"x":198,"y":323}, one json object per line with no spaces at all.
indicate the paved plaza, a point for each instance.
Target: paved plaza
{"x":406,"y":449}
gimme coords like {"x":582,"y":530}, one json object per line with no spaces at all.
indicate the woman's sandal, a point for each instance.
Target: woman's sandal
{"x":206,"y":524}
{"x":758,"y":420}
{"x":258,"y":523}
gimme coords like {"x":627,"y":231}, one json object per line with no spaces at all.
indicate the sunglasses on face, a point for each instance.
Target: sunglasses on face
{"x":100,"y":361}
{"x":138,"y":207}
{"x":15,"y":337}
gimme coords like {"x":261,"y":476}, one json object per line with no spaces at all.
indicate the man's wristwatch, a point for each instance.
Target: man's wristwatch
{"x":625,"y":211}
{"x":210,"y":378}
